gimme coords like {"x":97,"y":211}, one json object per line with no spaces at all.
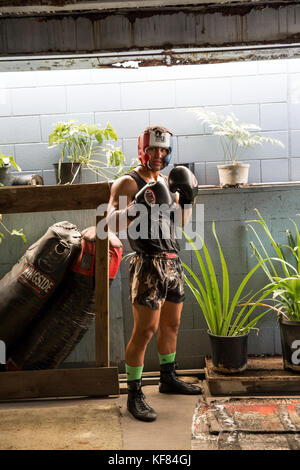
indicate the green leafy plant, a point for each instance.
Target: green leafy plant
{"x":83,"y":143}
{"x":284,"y":276}
{"x":18,"y":233}
{"x":224,"y":318}
{"x":6,"y":160}
{"x":233,"y":134}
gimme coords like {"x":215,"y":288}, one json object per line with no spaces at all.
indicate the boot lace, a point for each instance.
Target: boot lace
{"x":141,"y":400}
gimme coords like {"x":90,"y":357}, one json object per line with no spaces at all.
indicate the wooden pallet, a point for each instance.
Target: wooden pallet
{"x":264,"y":375}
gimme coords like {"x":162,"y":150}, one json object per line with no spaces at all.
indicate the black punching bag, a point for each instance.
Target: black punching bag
{"x":34,"y":279}
{"x":67,"y":316}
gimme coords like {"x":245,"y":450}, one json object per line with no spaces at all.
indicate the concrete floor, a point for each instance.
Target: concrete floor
{"x":171,"y":430}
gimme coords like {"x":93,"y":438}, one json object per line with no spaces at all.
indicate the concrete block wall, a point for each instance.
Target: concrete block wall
{"x":265,"y":93}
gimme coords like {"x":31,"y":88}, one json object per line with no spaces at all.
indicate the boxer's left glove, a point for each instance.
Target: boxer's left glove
{"x":181,"y":179}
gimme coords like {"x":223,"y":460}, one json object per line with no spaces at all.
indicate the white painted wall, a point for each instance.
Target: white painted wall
{"x":266,"y":93}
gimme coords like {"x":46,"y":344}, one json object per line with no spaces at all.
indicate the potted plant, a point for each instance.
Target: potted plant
{"x":14,"y":231}
{"x":234,"y":136}
{"x":229,"y":322}
{"x":82,"y":145}
{"x":285,"y":278}
{"x":6,"y":161}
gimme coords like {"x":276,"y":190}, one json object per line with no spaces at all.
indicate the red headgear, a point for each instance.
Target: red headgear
{"x":154,"y":138}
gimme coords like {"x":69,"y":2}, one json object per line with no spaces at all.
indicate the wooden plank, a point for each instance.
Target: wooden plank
{"x":59,"y":383}
{"x":263,"y":376}
{"x":102,"y":301}
{"x":17,"y":199}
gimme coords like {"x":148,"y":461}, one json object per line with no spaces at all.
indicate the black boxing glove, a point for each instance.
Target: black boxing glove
{"x":181,"y":179}
{"x":153,"y":193}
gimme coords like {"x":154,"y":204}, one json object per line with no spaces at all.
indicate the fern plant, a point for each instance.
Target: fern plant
{"x":234,"y":135}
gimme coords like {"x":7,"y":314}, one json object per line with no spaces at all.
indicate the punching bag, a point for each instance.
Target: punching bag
{"x":68,"y":315}
{"x":34,"y":279}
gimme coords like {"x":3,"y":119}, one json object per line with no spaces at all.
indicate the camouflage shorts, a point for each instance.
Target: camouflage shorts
{"x":154,"y":279}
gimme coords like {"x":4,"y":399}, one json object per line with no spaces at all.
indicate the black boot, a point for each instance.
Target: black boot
{"x":136,"y":404}
{"x":169,"y":383}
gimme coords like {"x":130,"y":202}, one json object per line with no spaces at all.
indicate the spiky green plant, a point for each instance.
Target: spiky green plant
{"x":283,"y":275}
{"x":224,"y":318}
{"x":234,"y":135}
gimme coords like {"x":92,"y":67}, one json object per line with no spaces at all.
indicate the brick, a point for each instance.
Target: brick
{"x":203,"y":92}
{"x":199,"y":148}
{"x":274,"y":170}
{"x":147,"y":95}
{"x":30,"y":156}
{"x":14,"y":130}
{"x":42,"y":100}
{"x":272,"y":66}
{"x":259,"y":89}
{"x":295,"y":169}
{"x":254,"y":171}
{"x":127,"y":124}
{"x":5,"y":102}
{"x":274,"y":116}
{"x":294,"y":115}
{"x":263,"y":343}
{"x":179,"y":121}
{"x":192,"y":343}
{"x":295,"y":143}
{"x":84,"y":98}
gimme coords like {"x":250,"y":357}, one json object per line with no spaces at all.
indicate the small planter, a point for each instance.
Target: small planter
{"x":5,"y":175}
{"x":229,"y":353}
{"x":68,"y":173}
{"x":290,"y":343}
{"x":233,"y":175}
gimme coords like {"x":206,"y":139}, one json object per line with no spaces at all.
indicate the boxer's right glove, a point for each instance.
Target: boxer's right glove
{"x":153,"y":193}
{"x":181,"y":179}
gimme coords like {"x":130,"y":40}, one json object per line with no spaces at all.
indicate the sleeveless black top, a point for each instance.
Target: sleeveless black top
{"x":155,"y":243}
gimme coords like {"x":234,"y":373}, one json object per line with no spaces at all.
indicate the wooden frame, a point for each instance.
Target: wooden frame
{"x":103,"y":379}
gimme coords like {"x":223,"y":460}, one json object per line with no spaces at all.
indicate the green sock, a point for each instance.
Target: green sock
{"x":133,"y":373}
{"x":166,"y":358}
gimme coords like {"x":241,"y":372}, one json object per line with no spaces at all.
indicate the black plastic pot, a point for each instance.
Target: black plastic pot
{"x":229,"y":353}
{"x":68,"y":173}
{"x":290,"y":343}
{"x":5,"y":175}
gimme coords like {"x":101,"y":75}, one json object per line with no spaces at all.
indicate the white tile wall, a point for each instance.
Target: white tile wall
{"x":148,"y":95}
{"x":259,"y":89}
{"x":84,"y":98}
{"x":126,"y":123}
{"x":274,"y":116}
{"x":203,"y":92}
{"x":266,"y":93}
{"x":41,"y":100}
{"x":275,"y":170}
{"x":14,"y":130}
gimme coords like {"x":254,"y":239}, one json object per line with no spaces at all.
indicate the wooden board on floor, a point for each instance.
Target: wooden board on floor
{"x":98,"y":381}
{"x":264,"y":375}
